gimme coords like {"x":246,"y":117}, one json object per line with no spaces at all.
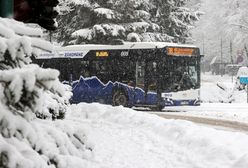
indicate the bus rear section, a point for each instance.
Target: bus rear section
{"x":151,"y":75}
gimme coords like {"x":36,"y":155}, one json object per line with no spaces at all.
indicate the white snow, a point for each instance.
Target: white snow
{"x":126,"y":138}
{"x":211,"y":91}
{"x":96,"y":135}
{"x":126,"y":45}
{"x":215,"y":101}
{"x":102,"y":136}
{"x":107,"y":13}
{"x":133,"y":37}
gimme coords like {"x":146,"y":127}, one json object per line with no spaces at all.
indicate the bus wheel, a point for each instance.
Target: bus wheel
{"x":119,"y":99}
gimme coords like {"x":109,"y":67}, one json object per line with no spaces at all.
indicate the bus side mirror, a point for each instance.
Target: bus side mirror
{"x":41,"y":12}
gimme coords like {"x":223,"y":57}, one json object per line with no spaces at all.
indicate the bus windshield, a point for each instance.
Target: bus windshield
{"x":180,"y":74}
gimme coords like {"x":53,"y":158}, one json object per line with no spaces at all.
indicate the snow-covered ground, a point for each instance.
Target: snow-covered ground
{"x":124,"y":138}
{"x":102,"y":136}
{"x":212,"y":96}
{"x":211,"y":91}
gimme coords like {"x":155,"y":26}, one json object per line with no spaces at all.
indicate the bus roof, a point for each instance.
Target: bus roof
{"x":79,"y":51}
{"x":126,"y":45}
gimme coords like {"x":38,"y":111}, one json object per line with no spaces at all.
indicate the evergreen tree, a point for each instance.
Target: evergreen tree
{"x":27,"y":91}
{"x":176,"y":19}
{"x":110,"y":21}
{"x":26,"y":88}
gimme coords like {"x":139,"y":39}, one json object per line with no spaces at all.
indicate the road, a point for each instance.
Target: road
{"x":219,"y":115}
{"x":233,"y":125}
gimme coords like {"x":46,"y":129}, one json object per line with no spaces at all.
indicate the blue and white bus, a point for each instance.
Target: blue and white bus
{"x":142,"y":74}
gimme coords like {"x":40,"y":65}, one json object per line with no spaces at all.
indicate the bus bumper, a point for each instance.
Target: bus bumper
{"x":170,"y":102}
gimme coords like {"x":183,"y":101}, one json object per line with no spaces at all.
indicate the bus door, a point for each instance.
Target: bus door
{"x":146,"y":83}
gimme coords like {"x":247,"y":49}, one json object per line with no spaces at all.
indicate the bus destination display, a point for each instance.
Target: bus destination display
{"x":175,"y":51}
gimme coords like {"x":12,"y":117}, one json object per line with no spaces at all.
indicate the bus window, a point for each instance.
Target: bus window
{"x":193,"y":74}
{"x":140,"y":72}
{"x":180,"y":74}
{"x":124,"y":71}
{"x":151,"y":74}
{"x":102,"y":70}
{"x":85,"y":71}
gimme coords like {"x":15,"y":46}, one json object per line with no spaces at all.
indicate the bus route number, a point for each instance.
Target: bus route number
{"x":124,"y":53}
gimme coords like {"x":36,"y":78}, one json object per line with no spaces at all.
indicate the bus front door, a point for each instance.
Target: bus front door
{"x":146,"y":85}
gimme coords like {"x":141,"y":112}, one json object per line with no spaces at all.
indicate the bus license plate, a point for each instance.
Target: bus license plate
{"x":184,"y":102}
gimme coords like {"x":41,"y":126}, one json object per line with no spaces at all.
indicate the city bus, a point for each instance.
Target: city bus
{"x":141,"y":74}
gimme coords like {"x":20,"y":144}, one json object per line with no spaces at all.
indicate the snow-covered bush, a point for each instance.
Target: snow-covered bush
{"x":42,"y":143}
{"x":27,"y":88}
{"x":33,"y":89}
{"x":27,"y":91}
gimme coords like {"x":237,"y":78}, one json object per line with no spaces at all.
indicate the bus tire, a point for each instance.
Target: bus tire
{"x":119,"y":99}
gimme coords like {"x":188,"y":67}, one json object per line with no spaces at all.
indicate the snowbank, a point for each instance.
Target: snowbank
{"x":126,"y":138}
{"x":42,"y":143}
{"x":221,"y":89}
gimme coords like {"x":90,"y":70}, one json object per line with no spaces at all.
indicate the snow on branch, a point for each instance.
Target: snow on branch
{"x":27,"y":87}
{"x":107,"y":13}
{"x":42,"y":143}
{"x":13,"y":30}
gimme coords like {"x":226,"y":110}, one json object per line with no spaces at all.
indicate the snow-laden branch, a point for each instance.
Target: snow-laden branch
{"x":239,"y":25}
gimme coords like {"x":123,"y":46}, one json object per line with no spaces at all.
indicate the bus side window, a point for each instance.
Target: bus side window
{"x":151,"y":76}
{"x":140,"y":72}
{"x":85,"y":71}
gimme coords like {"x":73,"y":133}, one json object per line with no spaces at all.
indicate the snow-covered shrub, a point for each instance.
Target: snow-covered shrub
{"x":33,"y":89}
{"x":28,"y":88}
{"x":27,"y":91}
{"x":42,"y":143}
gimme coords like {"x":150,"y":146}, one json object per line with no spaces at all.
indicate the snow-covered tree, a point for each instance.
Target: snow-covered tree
{"x":27,"y":91}
{"x":226,"y":21}
{"x":26,"y":88}
{"x":110,"y":21}
{"x":176,"y":18}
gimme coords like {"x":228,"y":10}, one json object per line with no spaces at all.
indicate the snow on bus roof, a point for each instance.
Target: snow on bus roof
{"x":126,"y":45}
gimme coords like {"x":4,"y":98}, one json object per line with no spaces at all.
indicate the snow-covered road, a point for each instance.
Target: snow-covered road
{"x":232,"y":116}
{"x":216,"y":123}
{"x":221,"y":111}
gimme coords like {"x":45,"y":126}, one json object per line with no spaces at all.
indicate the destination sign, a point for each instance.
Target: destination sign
{"x":62,"y":54}
{"x":102,"y":54}
{"x":176,"y":51}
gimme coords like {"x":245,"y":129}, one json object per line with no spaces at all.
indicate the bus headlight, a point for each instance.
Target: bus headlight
{"x":168,"y":102}
{"x":197,"y":102}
